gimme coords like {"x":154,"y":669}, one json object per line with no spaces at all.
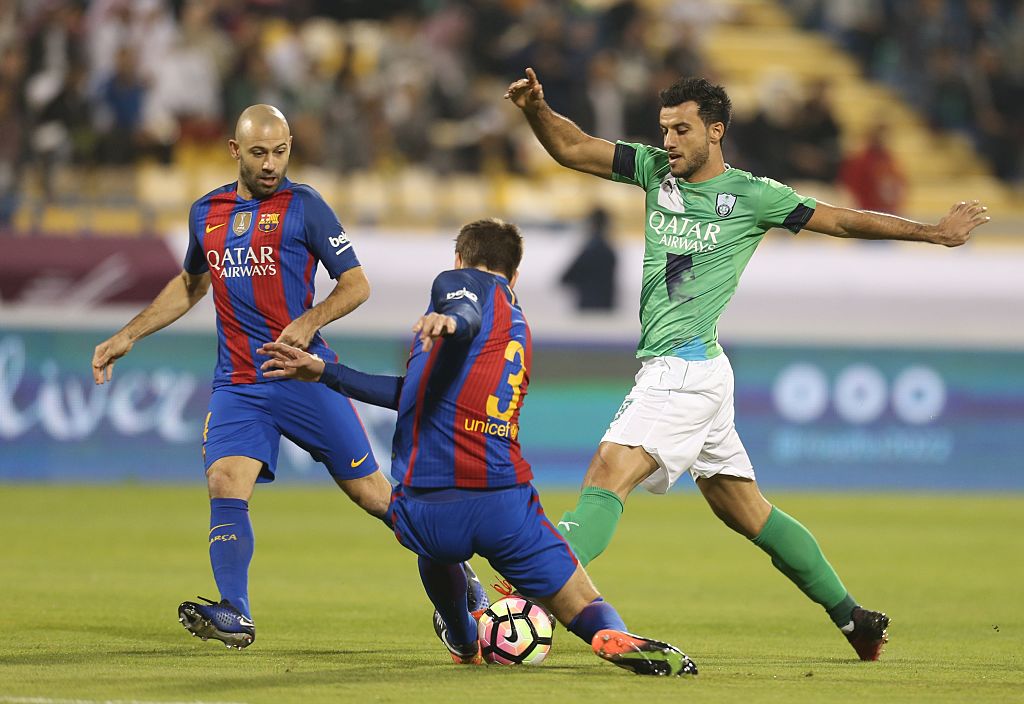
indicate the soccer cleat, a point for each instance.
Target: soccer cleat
{"x":867,"y":632}
{"x":476,"y":596}
{"x":460,"y":656}
{"x":476,"y":601}
{"x":642,"y":656}
{"x":217,"y":620}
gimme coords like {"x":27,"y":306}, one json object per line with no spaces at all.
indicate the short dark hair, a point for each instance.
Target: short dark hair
{"x":494,"y":244}
{"x":713,"y":104}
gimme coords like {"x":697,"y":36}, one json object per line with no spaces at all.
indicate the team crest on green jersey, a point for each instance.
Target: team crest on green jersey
{"x":726,"y":202}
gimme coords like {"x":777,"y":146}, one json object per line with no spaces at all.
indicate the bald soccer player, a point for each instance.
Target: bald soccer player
{"x":258,"y":241}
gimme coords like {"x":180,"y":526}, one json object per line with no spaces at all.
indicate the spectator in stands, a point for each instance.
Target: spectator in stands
{"x":815,"y":151}
{"x":591,"y":275}
{"x":184,"y":100}
{"x":10,"y":153}
{"x":122,"y":96}
{"x":949,"y":98}
{"x":604,"y":97}
{"x":349,"y":119}
{"x":63,"y":131}
{"x":251,"y":82}
{"x":859,"y":25}
{"x":999,"y":105}
{"x":768,"y":139}
{"x":873,"y":177}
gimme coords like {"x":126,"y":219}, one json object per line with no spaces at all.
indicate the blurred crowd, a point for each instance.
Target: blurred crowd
{"x":371,"y":84}
{"x":363,"y":83}
{"x":960,"y":62}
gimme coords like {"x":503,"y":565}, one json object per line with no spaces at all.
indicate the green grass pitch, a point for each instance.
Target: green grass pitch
{"x":92,"y":577}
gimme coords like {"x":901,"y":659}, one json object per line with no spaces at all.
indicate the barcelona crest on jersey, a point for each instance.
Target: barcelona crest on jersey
{"x":268,"y":222}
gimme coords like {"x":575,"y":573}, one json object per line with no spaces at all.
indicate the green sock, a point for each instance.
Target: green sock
{"x":796,"y":554}
{"x":591,"y":526}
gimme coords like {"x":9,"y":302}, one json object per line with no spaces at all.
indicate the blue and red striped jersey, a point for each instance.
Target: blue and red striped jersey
{"x":262,"y":257}
{"x":458,"y":414}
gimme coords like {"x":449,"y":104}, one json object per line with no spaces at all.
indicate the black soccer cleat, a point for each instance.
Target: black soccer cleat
{"x":867,"y":632}
{"x":221,"y":621}
{"x":476,"y":602}
{"x":469,"y":655}
{"x":640,"y":655}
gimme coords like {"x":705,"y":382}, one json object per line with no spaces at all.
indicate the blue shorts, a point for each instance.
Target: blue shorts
{"x":248,"y":420}
{"x":506,"y":526}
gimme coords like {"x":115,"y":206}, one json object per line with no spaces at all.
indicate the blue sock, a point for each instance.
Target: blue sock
{"x":446,"y":587}
{"x":231,"y":547}
{"x":596,"y":616}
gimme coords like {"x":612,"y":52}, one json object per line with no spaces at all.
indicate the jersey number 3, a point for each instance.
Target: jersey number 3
{"x":515,"y":379}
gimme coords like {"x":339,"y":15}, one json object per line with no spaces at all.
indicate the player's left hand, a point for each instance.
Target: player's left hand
{"x":297,"y":334}
{"x":290,"y":362}
{"x":954,"y":229}
{"x":432,"y":327}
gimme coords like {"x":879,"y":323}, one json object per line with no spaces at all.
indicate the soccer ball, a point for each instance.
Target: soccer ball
{"x":515,"y":631}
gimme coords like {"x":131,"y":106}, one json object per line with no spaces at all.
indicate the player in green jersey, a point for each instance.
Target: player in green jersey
{"x":703,"y":222}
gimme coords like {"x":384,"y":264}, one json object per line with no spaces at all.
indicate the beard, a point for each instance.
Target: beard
{"x":692,"y":165}
{"x":251,"y":179}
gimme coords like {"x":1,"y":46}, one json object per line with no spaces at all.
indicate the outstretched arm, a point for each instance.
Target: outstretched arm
{"x":953,"y":230}
{"x":289,"y":362}
{"x":177,"y":298}
{"x":561,"y":137}
{"x":351,"y":292}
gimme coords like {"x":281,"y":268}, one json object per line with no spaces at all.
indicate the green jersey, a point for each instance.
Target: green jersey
{"x":699,"y":238}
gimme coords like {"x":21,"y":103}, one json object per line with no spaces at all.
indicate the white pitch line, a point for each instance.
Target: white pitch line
{"x":46,"y":700}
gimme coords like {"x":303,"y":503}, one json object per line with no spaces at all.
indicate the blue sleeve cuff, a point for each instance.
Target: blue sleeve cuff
{"x":375,"y":389}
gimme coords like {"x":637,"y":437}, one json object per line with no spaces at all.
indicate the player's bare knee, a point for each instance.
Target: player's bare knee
{"x":744,"y":512}
{"x":223,"y":485}
{"x":229,"y":478}
{"x":619,"y":468}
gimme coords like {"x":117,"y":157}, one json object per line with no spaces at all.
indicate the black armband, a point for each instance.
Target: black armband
{"x":624,"y":162}
{"x":798,"y":218}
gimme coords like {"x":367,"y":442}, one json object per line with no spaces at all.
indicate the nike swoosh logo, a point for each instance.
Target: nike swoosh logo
{"x":567,"y":524}
{"x":513,"y":635}
{"x":356,"y":463}
{"x":211,"y":228}
{"x":222,"y":525}
{"x":243,"y":621}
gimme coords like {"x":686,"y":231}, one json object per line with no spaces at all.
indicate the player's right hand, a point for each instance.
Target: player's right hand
{"x":526,"y":93}
{"x":106,"y":353}
{"x":433,"y":326}
{"x":289,"y":362}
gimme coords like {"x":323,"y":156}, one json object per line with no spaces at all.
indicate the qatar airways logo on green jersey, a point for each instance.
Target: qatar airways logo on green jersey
{"x":683,"y":232}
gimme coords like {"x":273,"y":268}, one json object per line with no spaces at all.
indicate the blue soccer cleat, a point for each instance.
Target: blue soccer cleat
{"x":476,"y":596}
{"x":221,"y":621}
